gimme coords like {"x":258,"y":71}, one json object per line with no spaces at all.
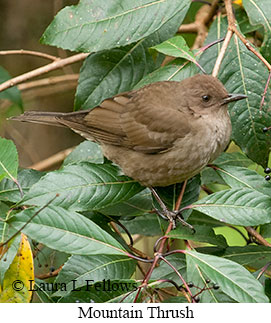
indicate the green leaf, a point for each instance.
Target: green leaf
{"x":66,"y":231}
{"x":198,"y":278}
{"x":109,"y":72}
{"x":176,"y":47}
{"x":242,"y":72}
{"x":241,"y":177}
{"x":237,"y":206}
{"x":9,"y":191}
{"x":12,"y":94}
{"x":164,"y":271}
{"x":259,"y":13}
{"x":81,"y":187}
{"x":177,"y":70}
{"x":87,"y":151}
{"x":233,"y":279}
{"x":94,"y":25}
{"x":243,"y":21}
{"x":251,"y":256}
{"x":147,"y":225}
{"x":233,"y":159}
{"x":104,"y":291}
{"x":7,"y":258}
{"x":203,"y":233}
{"x":139,"y":204}
{"x":93,"y":268}
{"x":8,"y":159}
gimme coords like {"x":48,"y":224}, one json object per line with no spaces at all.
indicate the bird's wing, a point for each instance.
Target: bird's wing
{"x":124,"y":121}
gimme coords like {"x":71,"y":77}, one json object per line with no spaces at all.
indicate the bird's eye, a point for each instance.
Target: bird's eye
{"x":206,"y":98}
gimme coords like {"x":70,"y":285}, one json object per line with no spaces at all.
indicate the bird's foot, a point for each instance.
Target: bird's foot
{"x":173,"y":217}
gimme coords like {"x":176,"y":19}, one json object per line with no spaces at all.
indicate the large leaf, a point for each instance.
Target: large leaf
{"x":110,"y":72}
{"x":242,"y":72}
{"x":9,"y":191}
{"x":235,"y":177}
{"x":66,"y":231}
{"x":94,"y":25}
{"x":233,"y":279}
{"x":259,"y":13}
{"x":81,"y":187}
{"x":139,"y":204}
{"x":203,"y":233}
{"x":251,"y":256}
{"x":19,"y":278}
{"x":177,"y":70}
{"x":78,"y":269}
{"x":119,"y":291}
{"x":8,"y":159}
{"x":237,"y":206}
{"x":164,"y":271}
{"x":176,"y":47}
{"x":86,"y":151}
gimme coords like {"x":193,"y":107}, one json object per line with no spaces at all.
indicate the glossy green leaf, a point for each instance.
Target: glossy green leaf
{"x":233,"y":279}
{"x":110,"y":72}
{"x":94,"y":269}
{"x":241,"y":177}
{"x":87,"y":151}
{"x":233,"y":159}
{"x":66,"y":231}
{"x":139,"y":204}
{"x":242,"y":72}
{"x":164,"y":271}
{"x":259,"y":13}
{"x":111,"y":291}
{"x":177,"y":70}
{"x":176,"y":47}
{"x":252,"y":256}
{"x":237,"y":206}
{"x":94,"y":25}
{"x":203,"y":233}
{"x":196,"y":276}
{"x":8,"y":159}
{"x":9,"y":191}
{"x":81,"y":187}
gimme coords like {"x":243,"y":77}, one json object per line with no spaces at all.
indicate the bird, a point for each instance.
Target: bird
{"x":161,"y":134}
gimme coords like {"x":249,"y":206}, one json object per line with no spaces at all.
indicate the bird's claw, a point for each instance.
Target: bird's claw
{"x":173,"y":216}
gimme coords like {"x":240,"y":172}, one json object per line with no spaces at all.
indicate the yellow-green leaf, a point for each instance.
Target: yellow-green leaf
{"x":16,"y":284}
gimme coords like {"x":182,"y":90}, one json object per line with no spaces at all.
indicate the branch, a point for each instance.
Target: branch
{"x":199,"y":26}
{"x":232,"y":29}
{"x":256,"y":235}
{"x":29,"y":52}
{"x":42,"y":70}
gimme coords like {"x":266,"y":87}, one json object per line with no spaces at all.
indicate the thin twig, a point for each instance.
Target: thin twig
{"x":265,"y":90}
{"x":256,"y":235}
{"x":29,"y":220}
{"x":180,"y":198}
{"x":48,"y":81}
{"x":158,"y":254}
{"x":222,"y":53}
{"x":29,"y":52}
{"x":42,"y":70}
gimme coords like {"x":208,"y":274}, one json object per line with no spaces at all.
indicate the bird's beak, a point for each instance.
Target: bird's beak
{"x":233,"y":97}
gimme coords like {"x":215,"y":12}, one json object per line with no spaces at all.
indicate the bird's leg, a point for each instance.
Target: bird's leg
{"x":167,"y":214}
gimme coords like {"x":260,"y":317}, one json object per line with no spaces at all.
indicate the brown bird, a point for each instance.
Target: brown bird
{"x":161,"y":134}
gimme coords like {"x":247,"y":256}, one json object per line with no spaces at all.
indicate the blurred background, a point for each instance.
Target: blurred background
{"x":22,"y":22}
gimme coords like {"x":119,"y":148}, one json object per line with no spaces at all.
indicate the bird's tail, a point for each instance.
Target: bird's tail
{"x":47,"y":118}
